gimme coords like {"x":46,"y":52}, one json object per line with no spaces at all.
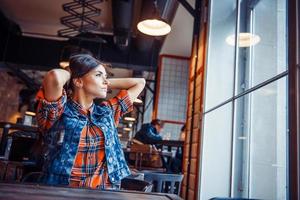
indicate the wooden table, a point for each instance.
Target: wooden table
{"x":139,"y":155}
{"x":161,"y":153}
{"x":37,"y":192}
{"x":171,"y":143}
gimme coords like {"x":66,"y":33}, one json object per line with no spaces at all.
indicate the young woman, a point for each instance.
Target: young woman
{"x":82,"y":148}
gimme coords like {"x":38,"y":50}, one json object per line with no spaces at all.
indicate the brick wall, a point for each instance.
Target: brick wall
{"x":9,"y":101}
{"x":192,"y":148}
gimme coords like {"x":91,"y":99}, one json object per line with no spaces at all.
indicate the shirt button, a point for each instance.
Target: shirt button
{"x":110,"y":159}
{"x":112,"y":178}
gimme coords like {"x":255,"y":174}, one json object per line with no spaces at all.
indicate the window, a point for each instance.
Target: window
{"x":247,"y":76}
{"x":260,"y":143}
{"x":216,"y":162}
{"x":221,"y":57}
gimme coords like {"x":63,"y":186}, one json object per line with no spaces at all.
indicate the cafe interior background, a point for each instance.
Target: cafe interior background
{"x":237,"y":95}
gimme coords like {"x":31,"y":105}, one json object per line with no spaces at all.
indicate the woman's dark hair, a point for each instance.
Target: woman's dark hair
{"x":81,"y":64}
{"x":158,"y":122}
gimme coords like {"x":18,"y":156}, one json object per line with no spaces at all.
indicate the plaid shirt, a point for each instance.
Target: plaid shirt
{"x":93,"y":161}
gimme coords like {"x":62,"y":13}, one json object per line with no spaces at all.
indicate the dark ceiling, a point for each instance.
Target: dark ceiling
{"x":123,"y":45}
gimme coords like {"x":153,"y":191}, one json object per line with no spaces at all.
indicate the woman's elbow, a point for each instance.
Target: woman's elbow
{"x":142,"y":82}
{"x":52,"y":77}
{"x":56,"y":77}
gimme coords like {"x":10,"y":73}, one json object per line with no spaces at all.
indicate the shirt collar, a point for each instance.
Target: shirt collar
{"x":80,"y":109}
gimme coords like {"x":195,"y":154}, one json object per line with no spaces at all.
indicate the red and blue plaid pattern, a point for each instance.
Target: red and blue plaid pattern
{"x":89,"y":166}
{"x":49,"y":112}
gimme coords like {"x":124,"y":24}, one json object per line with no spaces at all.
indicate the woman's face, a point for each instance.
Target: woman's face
{"x":95,"y":82}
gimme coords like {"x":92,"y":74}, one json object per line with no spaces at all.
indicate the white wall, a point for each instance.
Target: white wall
{"x":179,"y":40}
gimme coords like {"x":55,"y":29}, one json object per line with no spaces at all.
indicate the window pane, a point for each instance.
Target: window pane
{"x":171,"y":131}
{"x":216,"y":153}
{"x":260,"y":143}
{"x":220,"y":60}
{"x":172,"y":101}
{"x":264,"y":56}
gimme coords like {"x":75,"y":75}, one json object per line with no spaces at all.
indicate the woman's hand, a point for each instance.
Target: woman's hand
{"x":53,"y":83}
{"x":134,"y":86}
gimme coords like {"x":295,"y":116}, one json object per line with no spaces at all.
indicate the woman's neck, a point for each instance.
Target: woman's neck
{"x":84,"y":100}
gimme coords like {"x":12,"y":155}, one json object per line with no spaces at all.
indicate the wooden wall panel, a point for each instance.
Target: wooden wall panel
{"x":194,"y":115}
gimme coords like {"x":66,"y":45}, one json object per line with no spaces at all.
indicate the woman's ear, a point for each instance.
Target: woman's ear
{"x":77,"y":82}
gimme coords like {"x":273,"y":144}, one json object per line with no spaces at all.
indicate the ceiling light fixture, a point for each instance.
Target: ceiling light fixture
{"x":155,"y":25}
{"x":244,"y":40}
{"x":129,"y":119}
{"x":63,"y":64}
{"x":30,"y":113}
{"x":127,"y":129}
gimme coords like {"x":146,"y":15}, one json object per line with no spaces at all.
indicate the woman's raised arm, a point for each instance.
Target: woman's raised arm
{"x":54,"y":82}
{"x":134,"y":86}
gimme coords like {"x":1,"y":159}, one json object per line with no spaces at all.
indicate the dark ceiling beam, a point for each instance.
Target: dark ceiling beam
{"x":25,"y":67}
{"x":187,"y":6}
{"x":8,"y":25}
{"x":149,"y":88}
{"x":47,"y":68}
{"x":33,"y":51}
{"x":140,"y":55}
{"x":168,"y":9}
{"x":45,"y":54}
{"x":133,"y":67}
{"x":7,"y":28}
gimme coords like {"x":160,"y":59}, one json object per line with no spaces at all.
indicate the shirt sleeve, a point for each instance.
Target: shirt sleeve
{"x":47,"y":112}
{"x":153,"y":137}
{"x":120,"y":104}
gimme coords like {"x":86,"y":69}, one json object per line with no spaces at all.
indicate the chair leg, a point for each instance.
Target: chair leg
{"x":172,"y":187}
{"x":159,"y":186}
{"x":141,"y":160}
{"x":136,"y":160}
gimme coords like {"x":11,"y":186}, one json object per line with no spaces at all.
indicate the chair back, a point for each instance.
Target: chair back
{"x":164,"y":183}
{"x":141,"y":148}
